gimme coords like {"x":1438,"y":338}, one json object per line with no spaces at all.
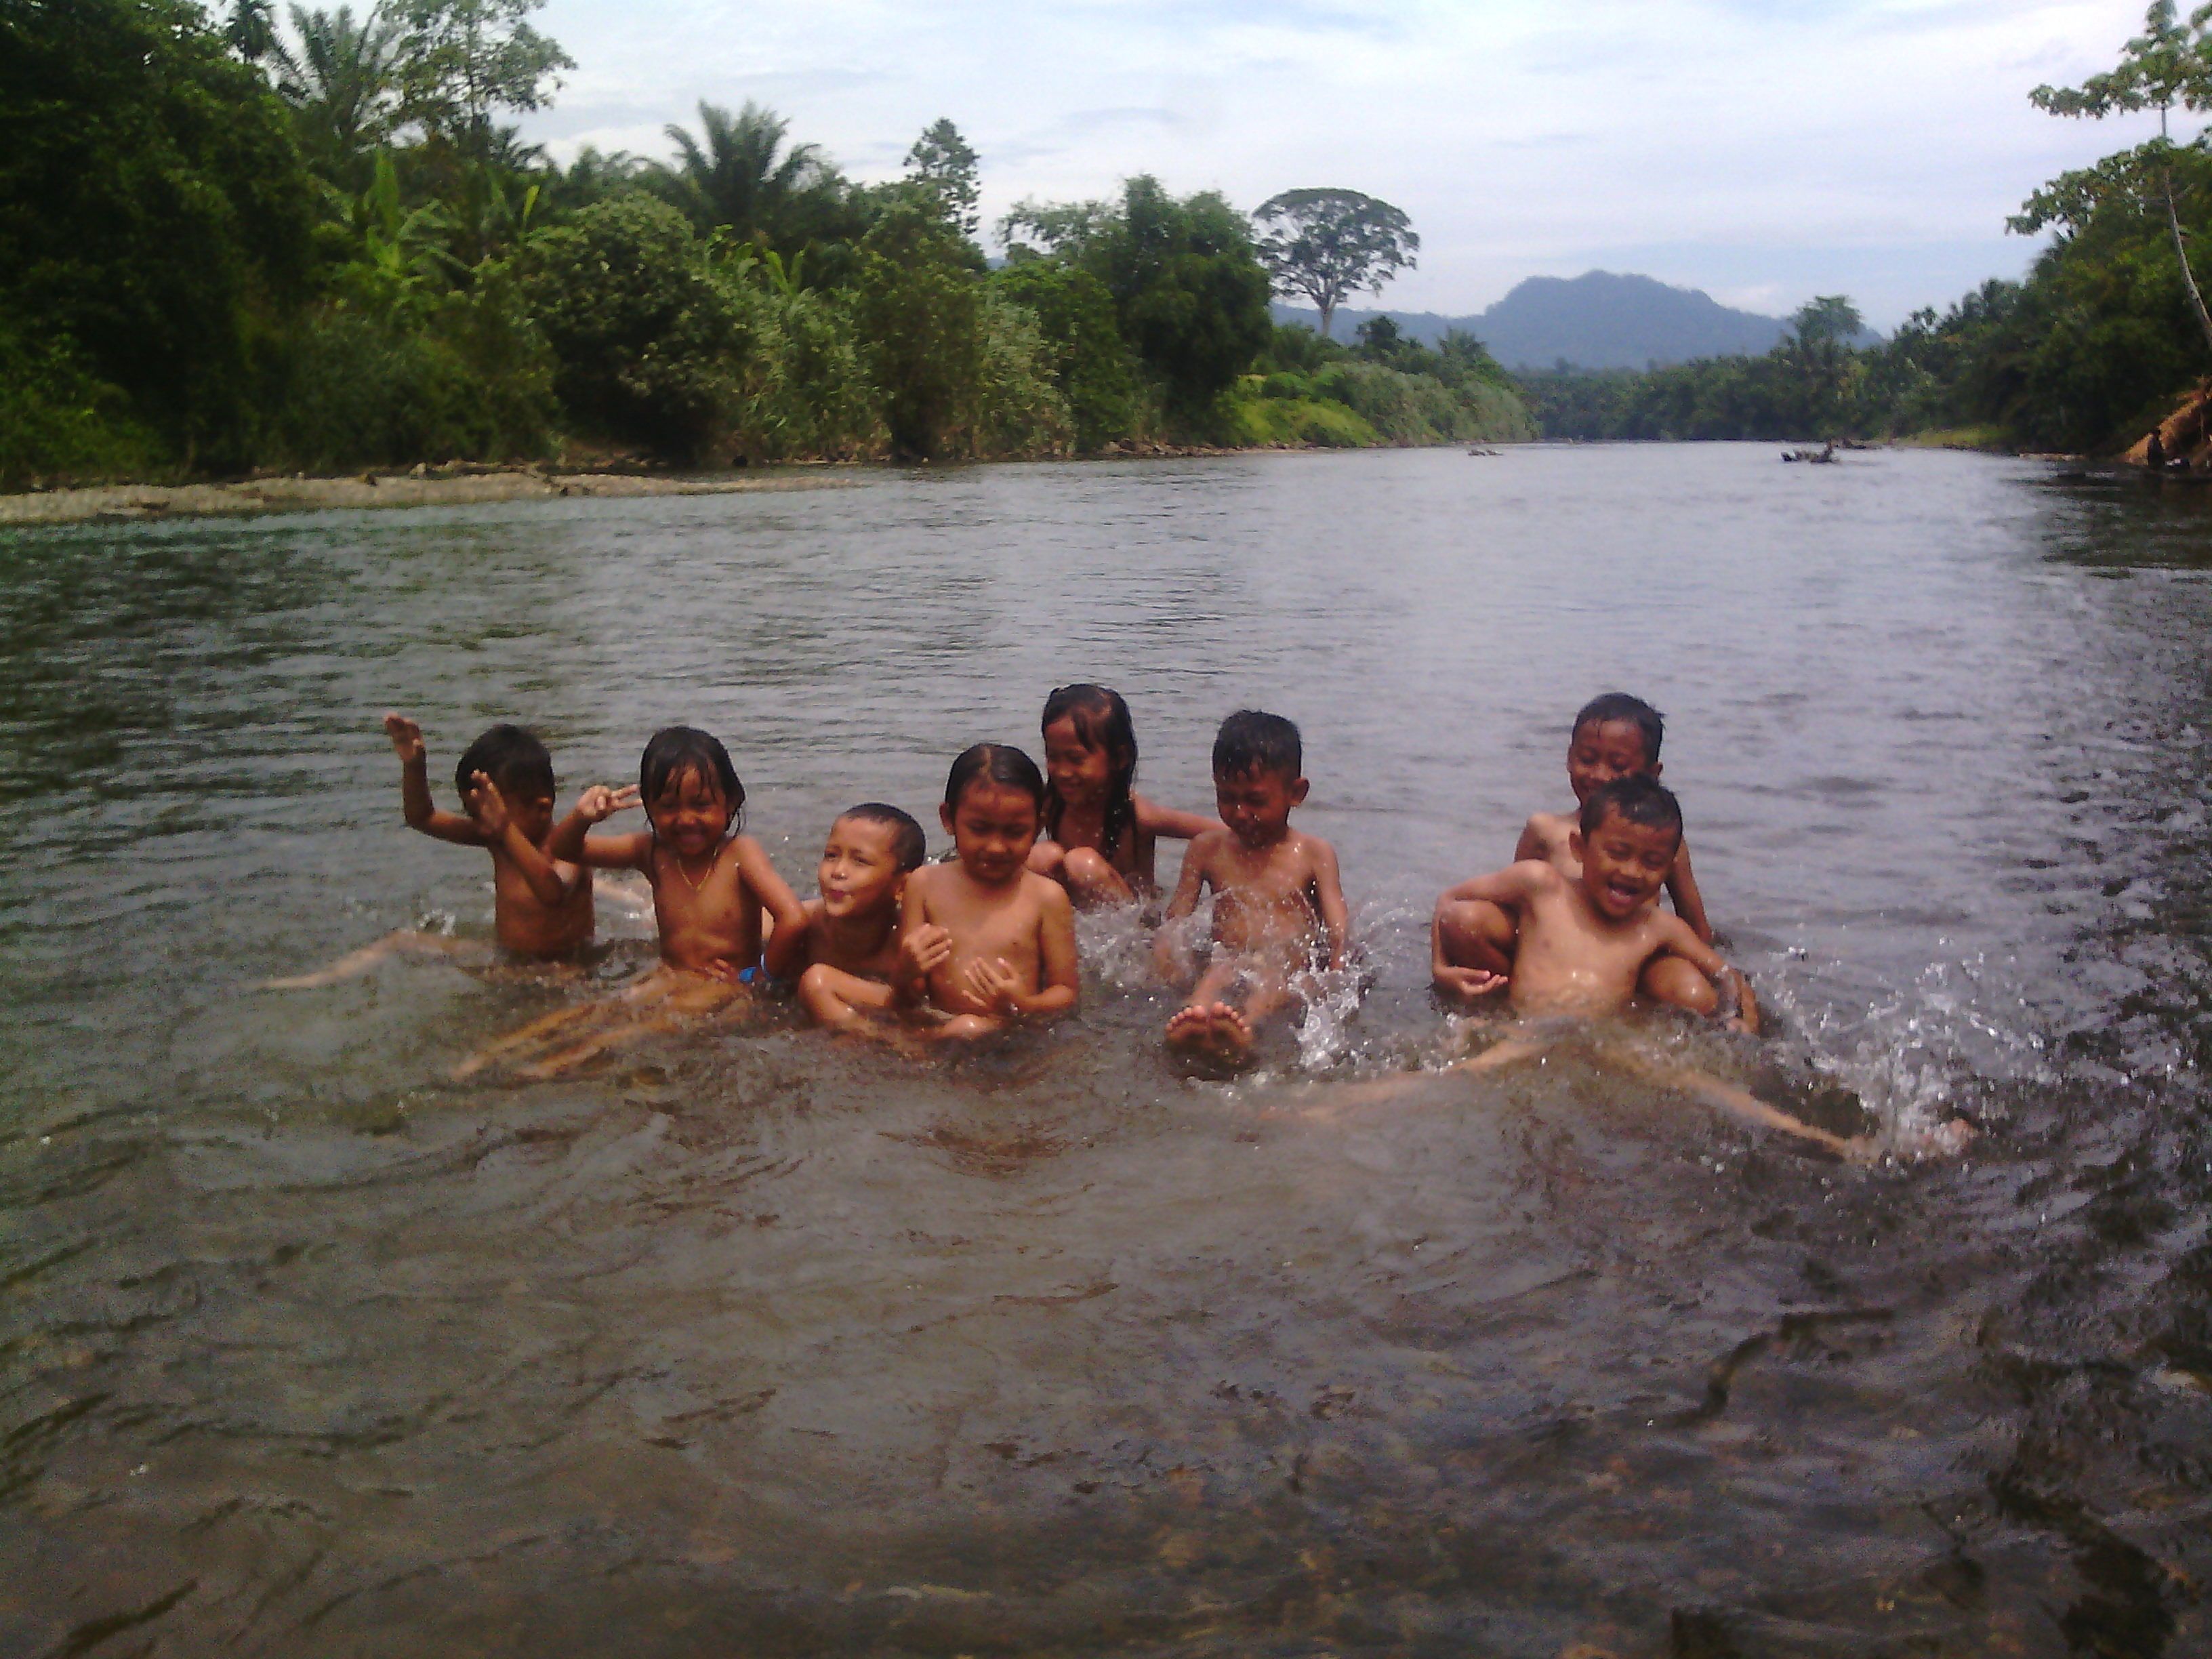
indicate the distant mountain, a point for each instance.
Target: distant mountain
{"x":1596,"y":320}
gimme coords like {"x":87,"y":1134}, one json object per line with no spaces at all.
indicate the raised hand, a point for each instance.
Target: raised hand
{"x":993,"y":982}
{"x":598,"y":803}
{"x":926,"y":948}
{"x":406,"y":738}
{"x":487,"y":805}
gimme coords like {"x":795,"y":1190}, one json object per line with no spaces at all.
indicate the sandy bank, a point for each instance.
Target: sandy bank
{"x":122,"y":502}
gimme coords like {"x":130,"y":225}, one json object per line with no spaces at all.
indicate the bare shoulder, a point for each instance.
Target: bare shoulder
{"x":1206,"y":847}
{"x":1049,"y":896}
{"x":927,"y":879}
{"x":1536,"y":876}
{"x":1317,"y":852}
{"x":1549,"y":830}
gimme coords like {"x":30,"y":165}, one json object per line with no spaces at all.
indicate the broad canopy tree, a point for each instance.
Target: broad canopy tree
{"x":1323,"y":245}
{"x":2167,"y":67}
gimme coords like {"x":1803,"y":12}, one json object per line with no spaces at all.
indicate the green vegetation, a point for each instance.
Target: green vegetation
{"x":311,"y":243}
{"x":2096,"y":345}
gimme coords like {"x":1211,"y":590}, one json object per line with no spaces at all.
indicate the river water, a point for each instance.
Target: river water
{"x":750,"y":1342}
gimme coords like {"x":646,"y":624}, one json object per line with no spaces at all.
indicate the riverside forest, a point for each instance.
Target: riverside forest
{"x":232,"y":243}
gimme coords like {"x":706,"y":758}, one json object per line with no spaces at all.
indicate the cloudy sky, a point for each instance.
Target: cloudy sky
{"x":1763,"y":150}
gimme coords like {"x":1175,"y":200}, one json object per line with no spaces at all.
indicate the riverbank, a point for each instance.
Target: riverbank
{"x":125,"y":503}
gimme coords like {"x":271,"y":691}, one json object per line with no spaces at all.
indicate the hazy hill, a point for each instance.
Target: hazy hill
{"x":1596,"y":320}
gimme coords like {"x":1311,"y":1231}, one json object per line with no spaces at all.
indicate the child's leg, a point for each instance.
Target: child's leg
{"x":536,"y":1032}
{"x":1674,"y":982}
{"x":839,"y":1001}
{"x":407,"y":942}
{"x":1473,"y":934}
{"x":661,"y":1004}
{"x":1194,"y":1027}
{"x":1091,"y":882}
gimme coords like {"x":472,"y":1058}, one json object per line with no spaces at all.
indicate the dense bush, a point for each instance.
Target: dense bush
{"x":60,"y":423}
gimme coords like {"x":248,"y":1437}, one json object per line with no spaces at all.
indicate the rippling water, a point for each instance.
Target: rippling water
{"x":751,"y":1343}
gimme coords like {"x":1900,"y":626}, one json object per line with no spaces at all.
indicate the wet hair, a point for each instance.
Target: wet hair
{"x":995,"y":762}
{"x":1250,"y":741}
{"x":1102,"y":721}
{"x":1620,"y":706}
{"x":909,"y":847}
{"x":1639,"y":799}
{"x":511,"y":757}
{"x":675,"y":749}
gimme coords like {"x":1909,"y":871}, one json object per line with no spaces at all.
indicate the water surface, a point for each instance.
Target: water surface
{"x":749,"y":1342}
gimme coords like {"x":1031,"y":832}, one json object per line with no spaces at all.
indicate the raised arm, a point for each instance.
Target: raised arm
{"x":547,"y":885}
{"x":1176,"y":825}
{"x":415,"y":803}
{"x":1329,"y":893}
{"x":1689,"y":903}
{"x":571,"y":843}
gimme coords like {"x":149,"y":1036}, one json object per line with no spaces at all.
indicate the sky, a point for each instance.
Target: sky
{"x":1762,"y":151}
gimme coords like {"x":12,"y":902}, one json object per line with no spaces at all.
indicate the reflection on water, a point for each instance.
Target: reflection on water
{"x":749,"y":1342}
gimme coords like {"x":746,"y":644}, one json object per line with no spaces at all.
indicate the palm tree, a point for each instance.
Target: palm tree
{"x":341,"y":81}
{"x":739,"y":174}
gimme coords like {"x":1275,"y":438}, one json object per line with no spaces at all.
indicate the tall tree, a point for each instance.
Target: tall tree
{"x":1325,"y":244}
{"x":251,"y":29}
{"x":942,"y":161}
{"x":340,"y":77}
{"x":738,"y":172}
{"x":461,"y":60}
{"x":2168,"y":66}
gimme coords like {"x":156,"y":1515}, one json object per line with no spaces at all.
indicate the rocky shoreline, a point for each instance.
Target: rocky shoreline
{"x":422,"y":487}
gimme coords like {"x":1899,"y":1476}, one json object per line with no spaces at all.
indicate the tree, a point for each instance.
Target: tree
{"x":153,"y":206}
{"x":2168,"y":65}
{"x":1818,"y":347}
{"x":250,"y":30}
{"x":463,"y":59}
{"x":942,"y":161}
{"x":1326,"y":244}
{"x":738,"y":173}
{"x":1090,"y":362}
{"x":340,"y":78}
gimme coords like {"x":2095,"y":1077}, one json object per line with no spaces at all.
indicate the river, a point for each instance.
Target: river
{"x":750,"y":1342}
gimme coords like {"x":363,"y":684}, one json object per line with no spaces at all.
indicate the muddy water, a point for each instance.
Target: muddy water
{"x":748,"y":1343}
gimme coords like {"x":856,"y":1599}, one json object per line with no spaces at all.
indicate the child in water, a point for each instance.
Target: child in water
{"x":1472,"y":940}
{"x":1277,"y":903}
{"x":1098,"y":831}
{"x":541,"y":905}
{"x":709,"y":886}
{"x":986,"y":940}
{"x":845,"y":956}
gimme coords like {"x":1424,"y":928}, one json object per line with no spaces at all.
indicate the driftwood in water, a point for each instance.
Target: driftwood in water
{"x":1824,"y":454}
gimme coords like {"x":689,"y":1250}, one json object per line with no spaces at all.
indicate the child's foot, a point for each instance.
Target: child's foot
{"x":1215,"y":1031}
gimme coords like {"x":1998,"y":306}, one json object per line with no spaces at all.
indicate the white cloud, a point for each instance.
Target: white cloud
{"x":1781,"y":149}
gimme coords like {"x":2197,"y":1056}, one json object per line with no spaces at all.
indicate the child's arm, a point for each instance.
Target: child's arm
{"x":547,"y":885}
{"x":994,"y":983}
{"x":1328,"y":889}
{"x":1168,"y":954}
{"x":788,"y":953}
{"x":415,"y":802}
{"x":568,"y":842}
{"x":1155,"y":819}
{"x":1689,"y":903}
{"x":772,"y":890}
{"x":1533,"y":843}
{"x":1676,"y":936}
{"x":924,"y":945}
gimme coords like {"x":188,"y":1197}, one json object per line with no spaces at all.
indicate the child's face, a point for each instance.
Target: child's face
{"x":993,"y":826}
{"x":1079,"y":771}
{"x":690,"y":814}
{"x":1256,"y":804}
{"x":1625,"y":865}
{"x":1603,"y":751}
{"x":859,"y":873}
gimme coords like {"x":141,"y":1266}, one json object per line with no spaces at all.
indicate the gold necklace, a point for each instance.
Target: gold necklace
{"x":677,"y":859}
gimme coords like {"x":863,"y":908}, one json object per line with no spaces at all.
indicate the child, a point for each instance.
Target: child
{"x":709,"y":886}
{"x":1277,"y":898}
{"x":845,"y":956}
{"x":985,"y":939}
{"x":541,"y":906}
{"x":1098,"y":831}
{"x":1472,"y":941}
{"x":1585,"y":942}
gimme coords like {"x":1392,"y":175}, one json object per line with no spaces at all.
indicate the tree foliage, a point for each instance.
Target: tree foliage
{"x":739,"y":174}
{"x":1323,"y":245}
{"x":340,"y":76}
{"x":942,"y":163}
{"x":463,"y":61}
